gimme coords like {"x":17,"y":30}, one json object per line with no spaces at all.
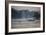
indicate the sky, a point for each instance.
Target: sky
{"x":26,"y":8}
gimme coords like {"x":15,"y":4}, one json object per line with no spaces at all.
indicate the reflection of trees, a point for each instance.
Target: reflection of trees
{"x":24,"y":14}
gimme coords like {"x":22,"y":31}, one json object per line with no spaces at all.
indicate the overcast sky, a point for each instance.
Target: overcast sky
{"x":26,"y":8}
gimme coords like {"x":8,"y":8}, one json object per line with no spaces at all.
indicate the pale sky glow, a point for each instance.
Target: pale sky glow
{"x":26,"y":8}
